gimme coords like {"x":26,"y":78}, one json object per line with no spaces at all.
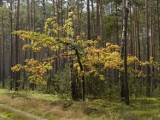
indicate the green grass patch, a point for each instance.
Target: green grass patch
{"x":6,"y":114}
{"x":29,"y":95}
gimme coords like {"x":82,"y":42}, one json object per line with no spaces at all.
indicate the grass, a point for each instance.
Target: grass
{"x":6,"y":114}
{"x":54,"y":108}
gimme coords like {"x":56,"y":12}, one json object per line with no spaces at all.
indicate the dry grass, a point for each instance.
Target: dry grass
{"x":56,"y":109}
{"x":43,"y":108}
{"x":46,"y":109}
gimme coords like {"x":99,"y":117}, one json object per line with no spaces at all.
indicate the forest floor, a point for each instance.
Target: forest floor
{"x":38,"y":106}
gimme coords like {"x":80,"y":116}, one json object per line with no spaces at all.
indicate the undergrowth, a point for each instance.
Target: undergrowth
{"x":54,"y":107}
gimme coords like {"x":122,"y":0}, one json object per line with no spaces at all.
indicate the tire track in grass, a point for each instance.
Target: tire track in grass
{"x":29,"y":115}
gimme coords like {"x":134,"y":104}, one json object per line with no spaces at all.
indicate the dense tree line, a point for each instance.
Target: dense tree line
{"x":133,"y":25}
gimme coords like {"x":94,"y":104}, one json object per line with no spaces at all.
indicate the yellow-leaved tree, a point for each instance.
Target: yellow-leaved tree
{"x":87,"y":54}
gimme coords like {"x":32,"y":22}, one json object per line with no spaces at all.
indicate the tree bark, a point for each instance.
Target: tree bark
{"x":148,"y":70}
{"x":11,"y":42}
{"x":124,"y":81}
{"x":88,"y":20}
{"x":17,"y":74}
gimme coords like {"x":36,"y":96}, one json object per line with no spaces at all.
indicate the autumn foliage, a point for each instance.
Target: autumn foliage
{"x":62,"y":38}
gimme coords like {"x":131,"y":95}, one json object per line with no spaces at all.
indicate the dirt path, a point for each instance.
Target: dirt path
{"x":29,"y":115}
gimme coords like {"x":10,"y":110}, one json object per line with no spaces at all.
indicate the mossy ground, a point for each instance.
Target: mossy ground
{"x":52,"y":107}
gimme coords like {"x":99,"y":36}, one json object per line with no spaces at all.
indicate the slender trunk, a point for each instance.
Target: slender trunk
{"x":138,"y":38}
{"x":44,"y":11}
{"x":3,"y":52}
{"x":148,"y":70}
{"x":117,"y":27}
{"x":17,"y":74}
{"x":98,"y":19}
{"x":93,"y":17}
{"x":124,"y":83}
{"x":131,"y":35}
{"x":88,"y":20}
{"x":158,"y":18}
{"x":11,"y":37}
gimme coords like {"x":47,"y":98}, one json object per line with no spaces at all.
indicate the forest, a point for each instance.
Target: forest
{"x":79,"y":59}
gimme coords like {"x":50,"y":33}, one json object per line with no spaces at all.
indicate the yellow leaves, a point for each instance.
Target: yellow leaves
{"x":151,"y":60}
{"x":31,"y":61}
{"x":101,"y":77}
{"x":144,"y":63}
{"x":92,"y":42}
{"x":37,"y":79}
{"x":112,"y":65}
{"x":111,"y":47}
{"x":74,"y":17}
{"x":110,"y":58}
{"x":116,"y":47}
{"x":108,"y":44}
{"x":99,"y":38}
{"x":77,"y":37}
{"x":37,"y":49}
{"x":36,"y":68}
{"x":140,"y":73}
{"x":70,"y":14}
{"x":68,"y":27}
{"x":61,"y":38}
{"x":24,"y":35}
{"x":26,"y":46}
{"x":94,"y":50}
{"x":16,"y":68}
{"x":76,"y":65}
{"x":54,"y":48}
{"x":51,"y":26}
{"x":47,"y":65}
{"x":132,"y":60}
{"x":115,"y":55}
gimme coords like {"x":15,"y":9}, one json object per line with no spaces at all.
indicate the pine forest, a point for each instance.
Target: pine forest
{"x":80,"y":59}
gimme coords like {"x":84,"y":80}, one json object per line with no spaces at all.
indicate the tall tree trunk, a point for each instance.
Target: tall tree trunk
{"x":1,"y":62}
{"x":148,"y":70}
{"x":93,"y":18}
{"x":98,"y":18}
{"x":11,"y":42}
{"x":138,"y":37}
{"x":131,"y":33}
{"x":88,"y":20}
{"x":3,"y":52}
{"x":124,"y":81}
{"x":17,"y":74}
{"x":2,"y":48}
{"x":158,"y":25}
{"x":117,"y":27}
